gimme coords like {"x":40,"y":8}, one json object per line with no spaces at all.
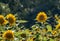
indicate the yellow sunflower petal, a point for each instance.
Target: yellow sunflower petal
{"x":8,"y":35}
{"x":58,"y":26}
{"x":2,"y":20}
{"x":11,"y":19}
{"x":41,"y":17}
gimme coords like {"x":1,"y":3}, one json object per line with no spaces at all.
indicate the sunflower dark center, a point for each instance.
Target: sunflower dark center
{"x":9,"y":35}
{"x":23,"y":35}
{"x":1,"y":20}
{"x":11,"y":20}
{"x":42,"y":17}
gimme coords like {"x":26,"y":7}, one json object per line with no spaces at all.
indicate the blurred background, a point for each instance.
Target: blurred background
{"x":28,"y":9}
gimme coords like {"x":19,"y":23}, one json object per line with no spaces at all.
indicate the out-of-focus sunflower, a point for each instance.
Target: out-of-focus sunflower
{"x":23,"y":35}
{"x":37,"y":30}
{"x":41,"y":17}
{"x":11,"y":19}
{"x":22,"y":40}
{"x":54,"y":32}
{"x":8,"y":35}
{"x":31,"y":33}
{"x":31,"y":38}
{"x":58,"y":26}
{"x":57,"y":19}
{"x":2,"y":20}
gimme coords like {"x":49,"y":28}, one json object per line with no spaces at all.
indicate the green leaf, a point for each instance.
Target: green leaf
{"x":51,"y":39}
{"x":49,"y":27}
{"x":23,"y":21}
{"x":1,"y":38}
{"x":17,"y":33}
{"x":45,"y":39}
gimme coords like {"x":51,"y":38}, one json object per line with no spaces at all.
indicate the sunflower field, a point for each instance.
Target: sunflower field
{"x":29,"y":20}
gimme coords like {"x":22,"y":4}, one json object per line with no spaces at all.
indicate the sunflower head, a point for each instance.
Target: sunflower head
{"x":37,"y":30}
{"x":8,"y":35}
{"x":32,"y":33}
{"x":22,"y":39}
{"x":58,"y":21}
{"x":32,"y":38}
{"x":23,"y":35}
{"x":41,"y":17}
{"x":2,"y":20}
{"x":11,"y":19}
{"x":54,"y":32}
{"x":58,"y":26}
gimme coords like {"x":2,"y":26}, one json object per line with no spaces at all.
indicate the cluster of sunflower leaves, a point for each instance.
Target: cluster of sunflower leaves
{"x":37,"y":32}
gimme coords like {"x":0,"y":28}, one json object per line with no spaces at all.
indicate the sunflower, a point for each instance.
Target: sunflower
{"x":58,"y":21}
{"x":8,"y":35}
{"x":41,"y":17}
{"x":32,"y":38}
{"x":31,"y":33}
{"x":58,"y":26}
{"x":54,"y":32}
{"x":23,"y":35}
{"x":22,"y":40}
{"x":11,"y":19}
{"x":2,"y":20}
{"x":37,"y":29}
